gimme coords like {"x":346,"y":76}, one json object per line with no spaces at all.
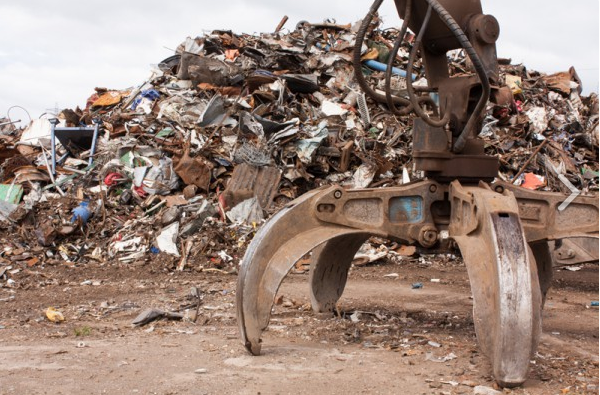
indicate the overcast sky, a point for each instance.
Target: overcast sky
{"x":53,"y":53}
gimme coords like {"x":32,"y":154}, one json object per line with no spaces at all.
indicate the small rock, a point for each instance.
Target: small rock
{"x":468,"y":383}
{"x":201,"y":370}
{"x":483,"y":390}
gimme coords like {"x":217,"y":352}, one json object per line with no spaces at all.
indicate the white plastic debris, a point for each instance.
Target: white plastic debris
{"x":405,"y":176}
{"x":38,"y":129}
{"x":538,"y":119}
{"x":248,"y":211}
{"x":330,"y":108}
{"x":223,"y":255}
{"x":130,"y":245}
{"x":166,"y":240}
{"x":364,"y":175}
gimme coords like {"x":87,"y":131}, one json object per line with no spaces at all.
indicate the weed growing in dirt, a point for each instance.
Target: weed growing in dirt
{"x":83,"y":331}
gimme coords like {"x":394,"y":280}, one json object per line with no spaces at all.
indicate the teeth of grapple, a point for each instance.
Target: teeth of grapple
{"x":279,"y":244}
{"x":504,"y":283}
{"x":329,"y":270}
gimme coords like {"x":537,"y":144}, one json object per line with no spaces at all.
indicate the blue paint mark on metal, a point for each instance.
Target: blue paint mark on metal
{"x":406,"y":209}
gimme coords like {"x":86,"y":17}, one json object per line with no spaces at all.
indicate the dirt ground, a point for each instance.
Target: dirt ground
{"x":387,"y":338}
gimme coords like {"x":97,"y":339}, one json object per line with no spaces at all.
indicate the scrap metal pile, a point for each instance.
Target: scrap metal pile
{"x":188,"y":164}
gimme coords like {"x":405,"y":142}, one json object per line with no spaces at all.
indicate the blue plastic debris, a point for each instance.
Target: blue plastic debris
{"x":594,"y":303}
{"x":82,"y":213}
{"x":149,"y":94}
{"x":417,"y":285}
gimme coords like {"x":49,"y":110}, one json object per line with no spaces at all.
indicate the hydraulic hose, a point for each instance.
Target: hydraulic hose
{"x":409,"y":87}
{"x":390,"y":63}
{"x":459,"y":145}
{"x":356,"y":62}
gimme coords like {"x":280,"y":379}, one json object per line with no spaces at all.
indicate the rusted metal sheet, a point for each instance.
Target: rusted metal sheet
{"x":248,"y":181}
{"x":196,"y":171}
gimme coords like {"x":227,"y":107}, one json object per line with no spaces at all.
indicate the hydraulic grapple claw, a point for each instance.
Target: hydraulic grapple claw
{"x":503,"y":275}
{"x":329,"y":270}
{"x":279,"y":244}
{"x":501,"y":230}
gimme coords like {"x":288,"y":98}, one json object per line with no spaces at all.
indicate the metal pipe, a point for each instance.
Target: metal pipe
{"x":356,"y":62}
{"x":375,"y":65}
{"x":54,"y":122}
{"x":9,"y":123}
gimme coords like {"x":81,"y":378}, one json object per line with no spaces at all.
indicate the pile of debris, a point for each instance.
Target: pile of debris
{"x":186,"y":166}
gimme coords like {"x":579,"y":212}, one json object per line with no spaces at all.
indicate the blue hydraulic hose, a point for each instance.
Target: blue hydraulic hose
{"x":375,"y":65}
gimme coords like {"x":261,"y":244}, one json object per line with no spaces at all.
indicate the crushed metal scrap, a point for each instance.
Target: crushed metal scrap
{"x":230,"y":128}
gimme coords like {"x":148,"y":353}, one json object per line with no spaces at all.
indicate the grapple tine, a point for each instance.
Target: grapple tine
{"x":543,"y":259}
{"x":279,"y":244}
{"x":504,"y":280}
{"x":329,"y":270}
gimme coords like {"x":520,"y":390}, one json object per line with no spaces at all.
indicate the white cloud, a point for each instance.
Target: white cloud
{"x":57,"y":52}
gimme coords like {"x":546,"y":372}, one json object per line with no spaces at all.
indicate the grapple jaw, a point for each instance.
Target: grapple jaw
{"x":278,"y":245}
{"x":501,"y":230}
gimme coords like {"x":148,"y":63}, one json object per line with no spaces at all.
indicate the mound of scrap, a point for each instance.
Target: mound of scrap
{"x":187,"y":165}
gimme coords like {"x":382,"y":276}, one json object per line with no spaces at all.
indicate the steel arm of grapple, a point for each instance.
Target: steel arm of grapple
{"x":543,"y":219}
{"x":332,"y":215}
{"x":500,"y":252}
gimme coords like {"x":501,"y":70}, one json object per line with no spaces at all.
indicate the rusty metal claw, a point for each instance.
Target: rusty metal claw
{"x":282,"y":241}
{"x":501,"y":230}
{"x":329,"y":270}
{"x":504,"y":280}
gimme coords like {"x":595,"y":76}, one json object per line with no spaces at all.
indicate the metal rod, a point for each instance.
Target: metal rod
{"x":54,"y":122}
{"x":10,"y":122}
{"x":93,"y":149}
{"x":528,"y":161}
{"x":280,"y":26}
{"x":48,"y":167}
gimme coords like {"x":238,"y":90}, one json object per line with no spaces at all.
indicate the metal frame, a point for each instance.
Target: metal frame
{"x":54,"y":129}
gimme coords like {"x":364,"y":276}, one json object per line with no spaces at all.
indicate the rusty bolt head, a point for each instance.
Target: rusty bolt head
{"x":337,"y":194}
{"x":428,"y":236}
{"x":486,"y":28}
{"x":499,"y":188}
{"x":432,"y":188}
